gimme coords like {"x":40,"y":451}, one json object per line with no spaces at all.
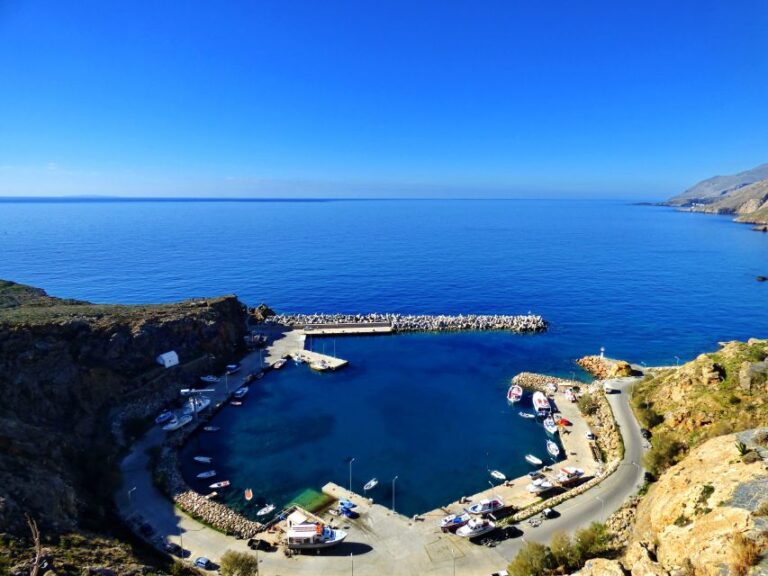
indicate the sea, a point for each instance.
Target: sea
{"x":648,"y":284}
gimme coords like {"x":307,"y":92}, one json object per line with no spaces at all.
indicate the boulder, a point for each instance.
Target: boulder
{"x":601,"y":567}
{"x":753,"y":376}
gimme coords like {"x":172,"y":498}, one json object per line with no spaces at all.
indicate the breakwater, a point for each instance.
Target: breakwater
{"x":420,"y":322}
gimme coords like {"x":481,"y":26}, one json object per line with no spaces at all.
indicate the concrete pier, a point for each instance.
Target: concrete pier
{"x":310,"y":357}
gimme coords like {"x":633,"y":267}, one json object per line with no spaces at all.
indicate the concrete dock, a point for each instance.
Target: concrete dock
{"x":348,"y":329}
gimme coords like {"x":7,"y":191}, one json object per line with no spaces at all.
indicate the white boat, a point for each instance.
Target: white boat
{"x":236,"y":403}
{"x":552,"y":387}
{"x":177,"y":423}
{"x":570,"y":395}
{"x":486,"y":505}
{"x":552,"y":448}
{"x":196,"y":405}
{"x":569,"y":474}
{"x":454,"y":521}
{"x":203,"y":459}
{"x":498,"y":475}
{"x":210,"y":379}
{"x":526,"y":415}
{"x":539,"y":486}
{"x":266,"y":510}
{"x":232,"y":368}
{"x":371,"y":484}
{"x":531,"y":459}
{"x":540,"y":402}
{"x":279,"y":364}
{"x":208,"y":474}
{"x":475,"y":527}
{"x":313,"y":535}
{"x":164,"y":417}
{"x":222,"y":484}
{"x":240,"y":392}
{"x":549,"y":425}
{"x":514,"y":394}
{"x":211,"y":428}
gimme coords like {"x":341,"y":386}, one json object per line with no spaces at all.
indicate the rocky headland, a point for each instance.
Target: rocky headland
{"x":71,"y":374}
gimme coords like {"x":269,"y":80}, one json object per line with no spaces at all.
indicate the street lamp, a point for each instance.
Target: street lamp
{"x":677,"y":360}
{"x":350,"y":474}
{"x":352,"y":560}
{"x":393,"y":492}
{"x":453,"y":557}
{"x":602,"y":507}
{"x":130,"y":500}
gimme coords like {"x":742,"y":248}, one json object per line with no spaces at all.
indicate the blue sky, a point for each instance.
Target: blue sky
{"x":521,"y":99}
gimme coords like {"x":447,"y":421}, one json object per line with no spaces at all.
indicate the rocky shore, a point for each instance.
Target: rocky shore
{"x":604,"y":368}
{"x":422,"y":322}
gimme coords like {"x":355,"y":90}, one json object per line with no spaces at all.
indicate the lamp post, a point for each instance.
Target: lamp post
{"x":453,"y":557}
{"x":130,"y":500}
{"x":352,"y":561}
{"x":393,"y":492}
{"x":677,"y":360}
{"x":350,"y":474}
{"x":602,"y":507}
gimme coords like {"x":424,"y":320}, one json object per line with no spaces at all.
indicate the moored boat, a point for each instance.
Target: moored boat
{"x":196,"y":404}
{"x":236,"y":403}
{"x":526,"y":415}
{"x":454,"y":521}
{"x":531,"y":459}
{"x":202,"y":459}
{"x":514,"y":394}
{"x":248,"y":494}
{"x":549,"y":425}
{"x":486,"y":505}
{"x":553,"y":449}
{"x":320,"y":366}
{"x":475,"y":527}
{"x":540,"y":402}
{"x":498,"y":475}
{"x":539,"y":486}
{"x":279,"y":364}
{"x":265,"y":510}
{"x":371,"y":484}
{"x":164,"y":417}
{"x":208,"y":474}
{"x":313,"y":535}
{"x":210,"y":379}
{"x":233,"y":368}
{"x":222,"y":484}
{"x":211,"y":428}
{"x":240,"y":392}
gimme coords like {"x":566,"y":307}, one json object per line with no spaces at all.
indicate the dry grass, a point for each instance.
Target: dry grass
{"x":745,"y":553}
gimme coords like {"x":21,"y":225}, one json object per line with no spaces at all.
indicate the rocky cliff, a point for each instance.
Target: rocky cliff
{"x":67,"y":369}
{"x":719,"y":187}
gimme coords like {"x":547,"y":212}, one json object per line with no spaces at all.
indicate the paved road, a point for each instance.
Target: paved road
{"x":602,"y":500}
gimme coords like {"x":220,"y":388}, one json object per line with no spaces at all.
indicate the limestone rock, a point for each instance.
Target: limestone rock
{"x":601,"y":567}
{"x":753,"y":376}
{"x":621,"y":369}
{"x":639,"y":561}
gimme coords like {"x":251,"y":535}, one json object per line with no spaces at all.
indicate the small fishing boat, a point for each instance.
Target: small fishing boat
{"x":344,"y":503}
{"x":240,"y":392}
{"x":236,"y":403}
{"x":486,"y":505}
{"x":453,"y":521}
{"x":549,"y":425}
{"x":196,"y":405}
{"x":164,"y":417}
{"x":208,"y":474}
{"x":211,"y":428}
{"x":298,"y":359}
{"x":279,"y":364}
{"x":212,"y":495}
{"x":526,"y":415}
{"x":514,"y":394}
{"x":498,"y":475}
{"x":541,"y":402}
{"x":535,"y":474}
{"x":266,"y":510}
{"x":177,"y":423}
{"x":210,"y":379}
{"x":569,"y":474}
{"x":371,"y":484}
{"x":233,"y":368}
{"x":539,"y":486}
{"x":202,"y":459}
{"x":552,"y":448}
{"x":320,"y":366}
{"x":222,"y":484}
{"x":531,"y":459}
{"x":248,"y":494}
{"x":475,"y":527}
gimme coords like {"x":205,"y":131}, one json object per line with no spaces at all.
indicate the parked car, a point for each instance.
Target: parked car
{"x":548,"y":513}
{"x":589,"y":435}
{"x":173,"y":549}
{"x":645,"y":433}
{"x":203,"y":562}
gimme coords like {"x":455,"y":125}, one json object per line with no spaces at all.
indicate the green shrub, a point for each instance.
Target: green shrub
{"x":762,"y":509}
{"x":682,"y":520}
{"x":590,"y":542}
{"x":238,"y":564}
{"x":588,"y":404}
{"x":533,"y":560}
{"x":665,"y":451}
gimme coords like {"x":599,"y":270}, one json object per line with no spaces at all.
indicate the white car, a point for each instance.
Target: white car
{"x":589,"y":435}
{"x":202,"y":562}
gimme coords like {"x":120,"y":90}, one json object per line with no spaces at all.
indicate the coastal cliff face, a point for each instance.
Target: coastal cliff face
{"x":744,"y":195}
{"x":67,"y":369}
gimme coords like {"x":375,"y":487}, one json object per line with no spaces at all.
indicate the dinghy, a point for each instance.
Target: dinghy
{"x":514,"y":394}
{"x":240,"y":392}
{"x":222,"y":484}
{"x":498,"y":475}
{"x":203,"y":459}
{"x":371,"y":484}
{"x":236,"y":403}
{"x":549,"y":425}
{"x":208,"y":474}
{"x":344,"y":503}
{"x":164,"y":417}
{"x":526,"y":415}
{"x":552,"y":448}
{"x":279,"y":364}
{"x":211,"y":428}
{"x":210,"y":379}
{"x":266,"y":510}
{"x":248,"y":494}
{"x":531,"y":459}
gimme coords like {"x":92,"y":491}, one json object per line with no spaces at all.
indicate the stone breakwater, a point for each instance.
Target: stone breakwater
{"x":604,"y":368}
{"x":422,"y":322}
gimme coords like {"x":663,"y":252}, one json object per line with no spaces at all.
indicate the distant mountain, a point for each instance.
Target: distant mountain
{"x":712,"y":189}
{"x":744,"y":194}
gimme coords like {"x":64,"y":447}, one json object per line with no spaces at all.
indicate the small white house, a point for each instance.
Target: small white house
{"x":168,"y":359}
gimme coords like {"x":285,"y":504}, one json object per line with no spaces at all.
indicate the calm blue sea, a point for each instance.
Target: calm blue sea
{"x":647,"y":283}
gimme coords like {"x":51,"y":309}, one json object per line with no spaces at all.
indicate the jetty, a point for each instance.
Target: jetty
{"x":339,"y":324}
{"x":310,"y":357}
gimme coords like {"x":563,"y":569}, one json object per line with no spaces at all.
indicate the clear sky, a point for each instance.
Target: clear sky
{"x":387,"y":98}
